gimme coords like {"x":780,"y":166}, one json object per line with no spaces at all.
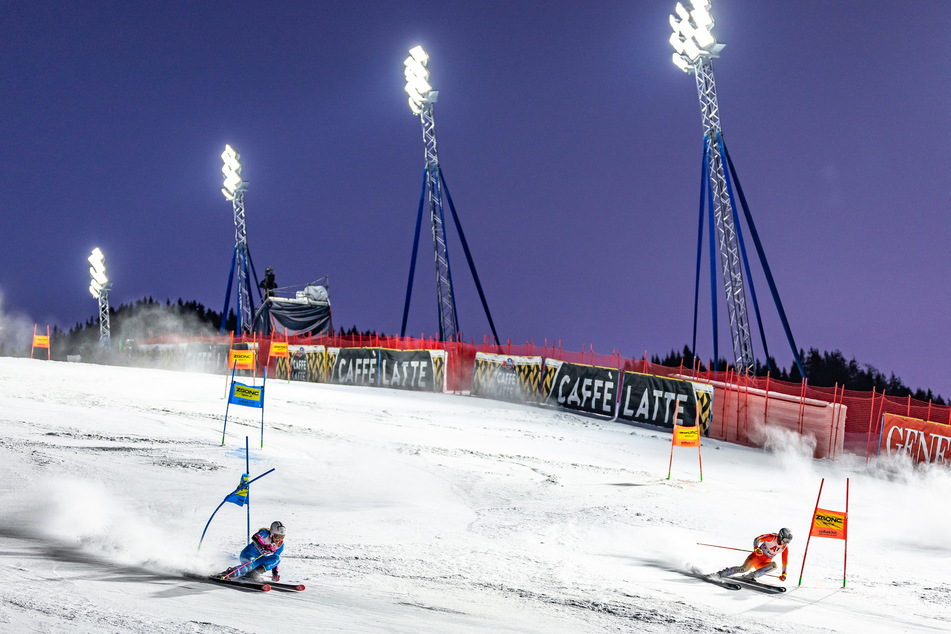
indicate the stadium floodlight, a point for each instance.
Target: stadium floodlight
{"x":421,"y":100}
{"x":234,"y":189}
{"x":97,"y":272}
{"x":99,"y":287}
{"x":695,"y":47}
{"x":418,"y":87}
{"x":232,"y":173}
{"x":692,"y":36}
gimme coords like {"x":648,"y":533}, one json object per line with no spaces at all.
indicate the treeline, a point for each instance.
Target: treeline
{"x":824,"y":369}
{"x":142,"y":319}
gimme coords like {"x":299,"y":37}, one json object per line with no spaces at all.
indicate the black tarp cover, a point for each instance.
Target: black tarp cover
{"x":312,"y":317}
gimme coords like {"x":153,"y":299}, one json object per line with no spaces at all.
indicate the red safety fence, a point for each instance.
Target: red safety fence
{"x":838,"y":419}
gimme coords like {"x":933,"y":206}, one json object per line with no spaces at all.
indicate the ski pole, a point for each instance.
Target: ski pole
{"x":742,"y":550}
{"x":745,"y":550}
{"x":244,"y":565}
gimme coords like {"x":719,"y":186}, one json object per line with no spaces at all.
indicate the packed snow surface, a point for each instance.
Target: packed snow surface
{"x":412,"y":512}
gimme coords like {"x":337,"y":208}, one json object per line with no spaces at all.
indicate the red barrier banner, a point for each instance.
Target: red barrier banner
{"x":923,"y":441}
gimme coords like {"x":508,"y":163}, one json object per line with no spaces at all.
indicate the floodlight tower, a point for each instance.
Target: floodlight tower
{"x":233,"y":190}
{"x":99,"y":287}
{"x":695,"y":47}
{"x":421,"y":100}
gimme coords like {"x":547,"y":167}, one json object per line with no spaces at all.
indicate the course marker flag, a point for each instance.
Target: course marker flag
{"x":830,"y":524}
{"x":241,"y":493}
{"x":41,"y":341}
{"x":280,"y":350}
{"x":684,"y":436}
{"x":248,"y":396}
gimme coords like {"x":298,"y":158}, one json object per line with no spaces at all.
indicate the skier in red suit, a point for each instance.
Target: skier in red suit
{"x":760,"y":561}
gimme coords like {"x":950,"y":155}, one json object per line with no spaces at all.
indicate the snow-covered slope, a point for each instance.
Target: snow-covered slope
{"x":411,"y":512}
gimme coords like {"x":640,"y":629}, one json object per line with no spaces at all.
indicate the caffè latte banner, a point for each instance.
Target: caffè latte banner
{"x":419,"y":370}
{"x":507,"y":378}
{"x":582,"y":388}
{"x":664,"y":402}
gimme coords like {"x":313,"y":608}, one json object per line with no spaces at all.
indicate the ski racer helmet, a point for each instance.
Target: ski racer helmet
{"x":785,"y":536}
{"x":278,"y":530}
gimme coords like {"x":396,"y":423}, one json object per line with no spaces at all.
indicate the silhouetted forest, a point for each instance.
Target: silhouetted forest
{"x":823,"y":369}
{"x":147,"y":318}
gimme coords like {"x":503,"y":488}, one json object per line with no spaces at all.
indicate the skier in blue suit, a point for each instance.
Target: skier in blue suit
{"x":265,"y":551}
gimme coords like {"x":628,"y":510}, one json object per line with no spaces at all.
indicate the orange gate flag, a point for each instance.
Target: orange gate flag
{"x":830,"y":524}
{"x":278,"y":349}
{"x":241,"y":359}
{"x":686,"y":436}
{"x":41,"y":341}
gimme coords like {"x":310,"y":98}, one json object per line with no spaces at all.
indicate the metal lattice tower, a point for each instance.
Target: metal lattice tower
{"x":104,"y":330}
{"x":422,"y":98}
{"x":694,"y":50}
{"x":233,"y":190}
{"x":731,"y":261}
{"x":99,"y":287}
{"x":448,"y":320}
{"x":246,"y":316}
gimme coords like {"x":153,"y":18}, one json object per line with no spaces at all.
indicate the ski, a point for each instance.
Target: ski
{"x":715,"y":580}
{"x":758,"y":586}
{"x":298,"y":587}
{"x":255,"y":585}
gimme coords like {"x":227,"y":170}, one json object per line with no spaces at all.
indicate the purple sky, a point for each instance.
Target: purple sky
{"x":570,"y":143}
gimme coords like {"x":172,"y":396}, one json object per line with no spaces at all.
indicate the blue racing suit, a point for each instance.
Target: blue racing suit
{"x":263,"y":551}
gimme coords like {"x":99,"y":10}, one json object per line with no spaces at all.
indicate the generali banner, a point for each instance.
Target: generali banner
{"x":923,"y":441}
{"x":583,"y":388}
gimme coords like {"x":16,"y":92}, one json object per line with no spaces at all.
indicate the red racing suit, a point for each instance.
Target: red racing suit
{"x":765,"y":547}
{"x":769,"y":545}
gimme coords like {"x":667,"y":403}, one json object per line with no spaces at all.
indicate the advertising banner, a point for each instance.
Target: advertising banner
{"x":583,"y":388}
{"x":831,"y":524}
{"x":654,"y":400}
{"x":507,"y":378}
{"x":278,"y":349}
{"x":241,"y":359}
{"x":247,"y":395}
{"x":686,"y":436}
{"x":354,"y":366}
{"x":307,"y":363}
{"x":921,"y":440}
{"x":419,"y":370}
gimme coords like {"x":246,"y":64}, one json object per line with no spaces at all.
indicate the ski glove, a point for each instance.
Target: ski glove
{"x":758,"y":551}
{"x":782,"y":577}
{"x":275,"y":576}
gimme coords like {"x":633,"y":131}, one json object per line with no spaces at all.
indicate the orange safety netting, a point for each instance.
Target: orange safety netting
{"x":741,"y":402}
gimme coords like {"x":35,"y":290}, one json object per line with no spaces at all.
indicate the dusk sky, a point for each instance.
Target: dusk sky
{"x":570,"y":143}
